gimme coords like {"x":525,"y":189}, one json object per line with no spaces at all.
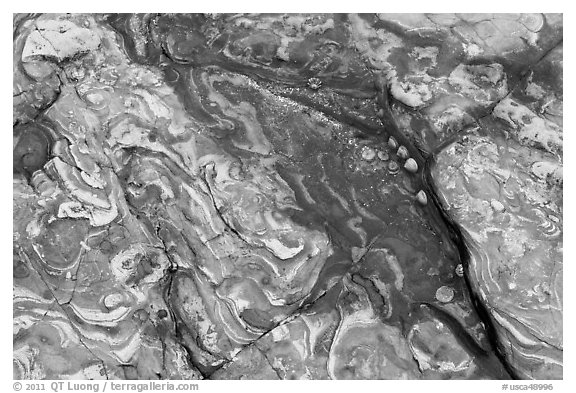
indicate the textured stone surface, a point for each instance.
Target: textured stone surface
{"x":512,"y":224}
{"x":264,"y":196}
{"x":503,"y":185}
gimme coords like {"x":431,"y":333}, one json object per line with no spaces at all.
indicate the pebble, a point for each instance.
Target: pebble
{"x":402,"y":153}
{"x":112,"y":300}
{"x":422,"y":198}
{"x":411,"y":166}
{"x":497,"y":205}
{"x":368,"y":154}
{"x":392,"y":142}
{"x":444,"y":294}
{"x":382,"y":155}
{"x":393,"y":167}
{"x":459,"y":270}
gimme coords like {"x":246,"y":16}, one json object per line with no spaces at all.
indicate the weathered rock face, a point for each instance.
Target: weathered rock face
{"x":502,"y":184}
{"x":512,"y":226}
{"x":227,"y":197}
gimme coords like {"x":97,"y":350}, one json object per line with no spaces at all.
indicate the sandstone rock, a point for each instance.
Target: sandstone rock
{"x":198,"y":196}
{"x":515,"y":250}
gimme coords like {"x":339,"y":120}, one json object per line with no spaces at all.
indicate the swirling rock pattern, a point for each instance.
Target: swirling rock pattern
{"x":254,"y":196}
{"x":509,"y":173}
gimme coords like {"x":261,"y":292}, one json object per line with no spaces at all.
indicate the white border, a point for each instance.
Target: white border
{"x":11,"y":6}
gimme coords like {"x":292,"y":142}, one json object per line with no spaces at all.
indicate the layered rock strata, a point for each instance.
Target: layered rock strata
{"x":265,"y":196}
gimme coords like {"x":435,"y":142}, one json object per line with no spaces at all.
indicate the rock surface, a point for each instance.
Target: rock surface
{"x":502,"y":184}
{"x":264,"y":196}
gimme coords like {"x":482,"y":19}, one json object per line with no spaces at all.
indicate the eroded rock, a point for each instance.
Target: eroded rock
{"x":221,"y":196}
{"x":515,"y":249}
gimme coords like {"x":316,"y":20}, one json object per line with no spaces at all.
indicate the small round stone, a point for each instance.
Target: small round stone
{"x":497,"y":206}
{"x":392,"y":142}
{"x":112,"y":300}
{"x":382,"y":155}
{"x":393,"y":167}
{"x":411,"y":166}
{"x":402,"y":153}
{"x":422,"y":198}
{"x":459,"y":270}
{"x":368,"y":154}
{"x":444,"y":294}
